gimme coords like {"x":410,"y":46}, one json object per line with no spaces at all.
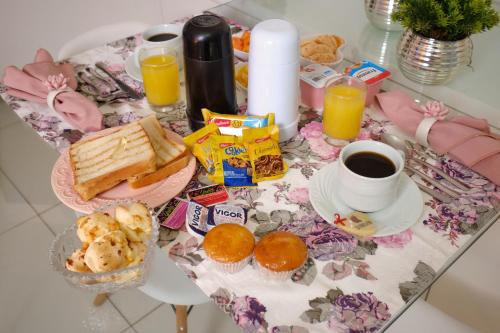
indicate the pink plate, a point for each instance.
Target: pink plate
{"x":154,"y":195}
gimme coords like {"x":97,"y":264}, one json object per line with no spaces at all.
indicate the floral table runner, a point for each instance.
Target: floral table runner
{"x":356,"y":289}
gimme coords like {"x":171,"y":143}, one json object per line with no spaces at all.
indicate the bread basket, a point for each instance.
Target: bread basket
{"x":67,"y":242}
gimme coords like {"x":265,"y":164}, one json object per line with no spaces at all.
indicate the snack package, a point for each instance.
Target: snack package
{"x":264,"y":152}
{"x":231,"y":162}
{"x":200,"y":219}
{"x":230,"y":124}
{"x":209,"y":195}
{"x":200,"y":145}
{"x":172,"y":215}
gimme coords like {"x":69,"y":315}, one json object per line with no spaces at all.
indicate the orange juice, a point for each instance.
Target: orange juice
{"x":343,"y":111}
{"x":160,"y":74}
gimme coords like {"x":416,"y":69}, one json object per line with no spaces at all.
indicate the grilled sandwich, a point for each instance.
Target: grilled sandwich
{"x":101,"y":163}
{"x":170,"y":156}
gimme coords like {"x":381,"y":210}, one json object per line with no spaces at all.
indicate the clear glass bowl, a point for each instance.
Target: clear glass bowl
{"x":67,"y":242}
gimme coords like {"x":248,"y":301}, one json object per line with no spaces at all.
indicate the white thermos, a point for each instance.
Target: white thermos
{"x":273,"y":74}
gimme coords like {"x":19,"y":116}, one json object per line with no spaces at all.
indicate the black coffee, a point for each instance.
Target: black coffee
{"x":370,"y":164}
{"x":161,"y":37}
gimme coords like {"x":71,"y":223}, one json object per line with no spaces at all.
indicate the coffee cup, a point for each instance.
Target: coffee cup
{"x":368,"y":175}
{"x":162,"y":35}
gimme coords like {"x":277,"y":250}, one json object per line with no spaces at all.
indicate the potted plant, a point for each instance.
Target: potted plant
{"x":435,"y":45}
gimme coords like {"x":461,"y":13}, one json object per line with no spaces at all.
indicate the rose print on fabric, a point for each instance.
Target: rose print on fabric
{"x":359,"y":312}
{"x":352,"y":313}
{"x":313,"y":133}
{"x":424,"y":276}
{"x":186,"y":254}
{"x":289,"y":329}
{"x":394,"y":241}
{"x":246,"y":311}
{"x":327,"y":242}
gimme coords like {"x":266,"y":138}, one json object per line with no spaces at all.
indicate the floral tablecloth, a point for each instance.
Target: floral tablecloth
{"x":347,"y":285}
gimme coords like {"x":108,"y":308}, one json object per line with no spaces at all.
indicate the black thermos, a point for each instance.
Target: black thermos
{"x":208,"y":67}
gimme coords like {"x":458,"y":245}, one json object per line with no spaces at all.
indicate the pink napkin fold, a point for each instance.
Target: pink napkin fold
{"x":28,"y":84}
{"x":466,"y":139}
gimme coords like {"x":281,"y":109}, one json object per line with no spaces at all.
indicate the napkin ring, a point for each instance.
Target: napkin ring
{"x":433,"y":111}
{"x":423,"y":130}
{"x":51,"y":96}
{"x":55,"y":84}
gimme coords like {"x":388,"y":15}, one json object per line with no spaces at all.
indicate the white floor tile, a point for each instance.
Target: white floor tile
{"x":7,"y":116}
{"x":209,"y":318}
{"x":161,"y":320}
{"x":130,"y":330}
{"x":36,"y":299}
{"x":205,"y":318}
{"x":59,"y":218}
{"x":27,"y":160}
{"x":133,"y":304}
{"x":13,"y":208}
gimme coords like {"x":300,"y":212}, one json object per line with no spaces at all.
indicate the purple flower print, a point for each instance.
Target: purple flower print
{"x":248,"y":314}
{"x":328,"y":242}
{"x":358,"y":313}
{"x":246,"y":311}
{"x":304,"y":222}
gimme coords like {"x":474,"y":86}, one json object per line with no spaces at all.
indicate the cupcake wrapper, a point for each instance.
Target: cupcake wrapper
{"x":269,"y":274}
{"x":231,"y":267}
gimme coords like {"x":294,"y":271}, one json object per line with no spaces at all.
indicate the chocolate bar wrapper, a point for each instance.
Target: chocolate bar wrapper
{"x":173,"y":214}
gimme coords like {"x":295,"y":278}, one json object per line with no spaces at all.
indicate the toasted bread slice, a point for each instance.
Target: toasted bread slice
{"x":166,"y":150}
{"x":162,"y":173}
{"x":101,"y":163}
{"x":170,"y":156}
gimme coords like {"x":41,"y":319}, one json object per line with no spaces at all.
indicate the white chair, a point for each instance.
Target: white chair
{"x":99,"y":36}
{"x":422,"y":317}
{"x":166,"y":283}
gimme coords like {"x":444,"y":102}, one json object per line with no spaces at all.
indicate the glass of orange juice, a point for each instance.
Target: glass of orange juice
{"x":160,"y":75}
{"x":343,"y":107}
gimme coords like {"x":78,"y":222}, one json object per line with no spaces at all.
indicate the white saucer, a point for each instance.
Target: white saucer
{"x":132,"y":70}
{"x":399,"y":216}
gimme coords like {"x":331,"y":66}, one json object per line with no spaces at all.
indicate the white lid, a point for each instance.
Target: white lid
{"x":274,"y":42}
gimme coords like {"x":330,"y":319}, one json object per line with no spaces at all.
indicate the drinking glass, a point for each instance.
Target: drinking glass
{"x":343,"y":107}
{"x":160,"y":75}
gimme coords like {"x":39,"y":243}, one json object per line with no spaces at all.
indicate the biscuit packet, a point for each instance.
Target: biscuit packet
{"x":231,"y":162}
{"x":200,"y":146}
{"x":264,"y":152}
{"x":230,"y":124}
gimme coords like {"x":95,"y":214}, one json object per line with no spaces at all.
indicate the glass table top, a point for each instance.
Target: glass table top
{"x":474,"y":92}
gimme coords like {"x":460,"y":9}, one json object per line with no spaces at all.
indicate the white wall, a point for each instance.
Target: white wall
{"x":26,"y":25}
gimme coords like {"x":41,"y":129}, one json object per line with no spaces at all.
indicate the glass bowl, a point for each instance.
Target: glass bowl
{"x":67,"y":242}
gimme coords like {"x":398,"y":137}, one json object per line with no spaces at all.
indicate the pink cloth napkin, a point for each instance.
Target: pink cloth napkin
{"x":28,"y":84}
{"x":466,"y":139}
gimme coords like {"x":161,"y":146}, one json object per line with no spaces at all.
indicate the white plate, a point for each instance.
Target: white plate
{"x":339,"y":54}
{"x":398,"y":217}
{"x":132,"y":70}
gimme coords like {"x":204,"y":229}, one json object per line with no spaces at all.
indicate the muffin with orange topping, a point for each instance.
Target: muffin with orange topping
{"x":279,"y":254}
{"x":229,"y":246}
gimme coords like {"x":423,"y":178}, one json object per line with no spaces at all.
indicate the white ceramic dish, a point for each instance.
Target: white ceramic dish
{"x":338,"y":53}
{"x":132,"y":70}
{"x":399,"y":216}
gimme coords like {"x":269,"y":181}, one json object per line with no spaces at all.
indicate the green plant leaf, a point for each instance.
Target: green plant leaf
{"x":447,"y":20}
